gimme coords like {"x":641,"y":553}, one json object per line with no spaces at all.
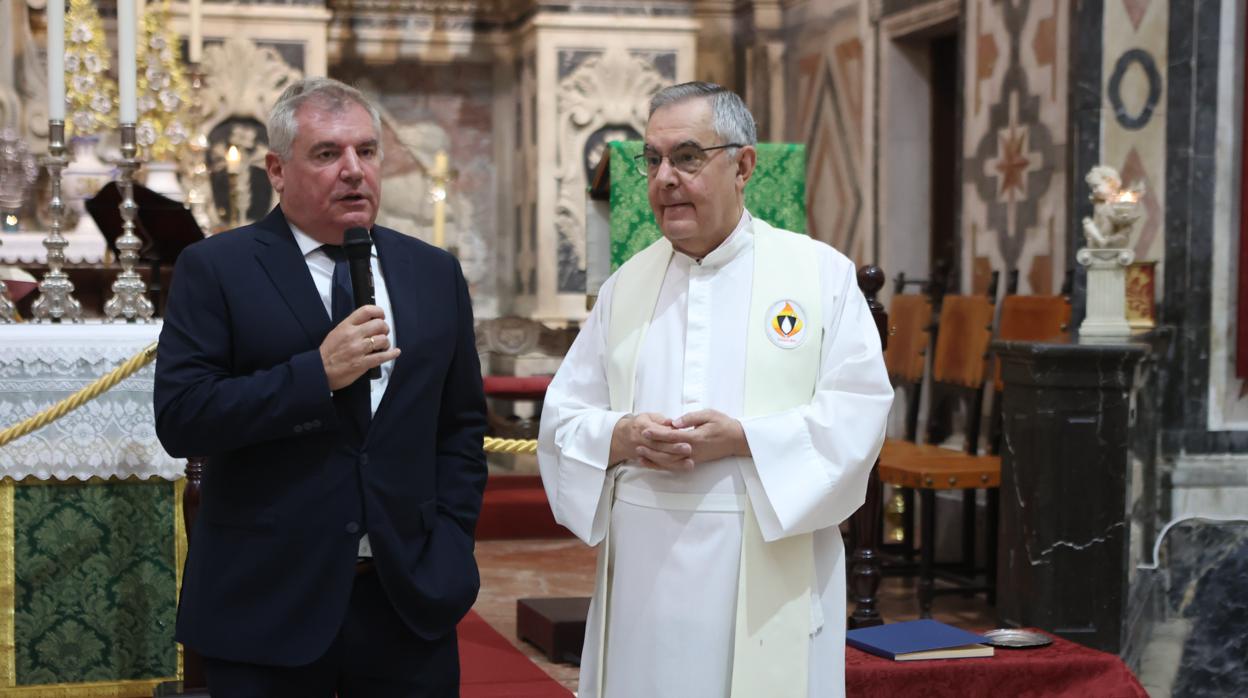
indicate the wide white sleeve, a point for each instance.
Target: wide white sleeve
{"x":810,"y":464}
{"x":574,"y":439}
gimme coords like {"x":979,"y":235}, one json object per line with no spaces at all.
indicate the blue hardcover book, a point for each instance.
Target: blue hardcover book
{"x":918,"y":639}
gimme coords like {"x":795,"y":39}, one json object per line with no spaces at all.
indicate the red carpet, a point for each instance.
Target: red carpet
{"x":515,"y":506}
{"x":490,"y":667}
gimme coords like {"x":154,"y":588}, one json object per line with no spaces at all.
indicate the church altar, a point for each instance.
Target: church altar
{"x":90,"y":524}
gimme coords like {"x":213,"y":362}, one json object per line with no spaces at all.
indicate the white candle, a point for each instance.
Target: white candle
{"x":56,"y":60}
{"x":196,"y":41}
{"x":126,"y":65}
{"x":439,"y":198}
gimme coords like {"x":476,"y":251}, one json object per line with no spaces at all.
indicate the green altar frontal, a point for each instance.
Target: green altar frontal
{"x":775,"y":193}
{"x":89,"y":575}
{"x":91,"y":534}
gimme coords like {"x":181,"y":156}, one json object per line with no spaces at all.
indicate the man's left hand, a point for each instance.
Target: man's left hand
{"x":711,"y":434}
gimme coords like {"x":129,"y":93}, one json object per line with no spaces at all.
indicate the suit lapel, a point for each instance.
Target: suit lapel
{"x":278,"y":253}
{"x":398,"y":269}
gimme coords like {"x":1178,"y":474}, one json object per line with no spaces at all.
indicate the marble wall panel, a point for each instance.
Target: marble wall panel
{"x":1197,"y":231}
{"x":1014,"y":142}
{"x":1207,"y":564}
{"x":1134,"y":59}
{"x":827,"y":70}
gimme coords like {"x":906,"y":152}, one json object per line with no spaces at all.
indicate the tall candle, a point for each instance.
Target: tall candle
{"x":127,"y":73}
{"x":196,"y":41}
{"x":440,"y":175}
{"x":56,"y":60}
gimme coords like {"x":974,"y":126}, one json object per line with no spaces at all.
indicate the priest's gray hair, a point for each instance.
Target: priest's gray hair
{"x":730,"y":118}
{"x":326,"y":93}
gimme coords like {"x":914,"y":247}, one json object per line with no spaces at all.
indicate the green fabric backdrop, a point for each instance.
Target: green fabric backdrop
{"x":776,"y":193}
{"x":95,"y":586}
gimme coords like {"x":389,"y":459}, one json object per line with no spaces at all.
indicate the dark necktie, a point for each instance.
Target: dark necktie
{"x":341,"y":298}
{"x":342,"y":304}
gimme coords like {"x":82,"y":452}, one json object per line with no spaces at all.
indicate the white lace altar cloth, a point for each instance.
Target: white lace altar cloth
{"x":27,"y":248}
{"x":113,"y":435}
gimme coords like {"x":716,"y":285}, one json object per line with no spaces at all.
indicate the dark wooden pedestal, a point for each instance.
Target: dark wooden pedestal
{"x":1074,"y":485}
{"x":556,"y":626}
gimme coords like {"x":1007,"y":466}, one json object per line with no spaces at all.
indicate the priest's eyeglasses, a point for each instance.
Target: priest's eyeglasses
{"x":686,"y":158}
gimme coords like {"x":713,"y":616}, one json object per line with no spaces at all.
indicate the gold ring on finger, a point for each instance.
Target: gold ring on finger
{"x":372,"y":344}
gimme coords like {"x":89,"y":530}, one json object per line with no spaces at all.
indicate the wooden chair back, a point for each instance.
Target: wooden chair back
{"x":910,"y":333}
{"x":962,"y":341}
{"x":1031,"y":318}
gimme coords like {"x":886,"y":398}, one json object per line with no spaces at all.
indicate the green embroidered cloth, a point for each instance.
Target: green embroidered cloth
{"x":94,"y":583}
{"x":776,"y":193}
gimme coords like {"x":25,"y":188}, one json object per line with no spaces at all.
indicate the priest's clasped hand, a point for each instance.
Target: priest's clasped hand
{"x":679,"y":444}
{"x":633,"y":438}
{"x":357,"y":344}
{"x":710,"y":434}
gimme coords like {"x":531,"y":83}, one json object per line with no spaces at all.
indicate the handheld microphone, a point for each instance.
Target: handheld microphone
{"x":358,"y":245}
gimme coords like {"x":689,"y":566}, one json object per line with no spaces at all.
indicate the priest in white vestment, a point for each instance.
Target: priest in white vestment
{"x":712,"y":425}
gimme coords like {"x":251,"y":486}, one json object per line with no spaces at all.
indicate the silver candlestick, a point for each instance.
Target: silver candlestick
{"x":56,"y":300}
{"x":8,"y":311}
{"x":129,"y":300}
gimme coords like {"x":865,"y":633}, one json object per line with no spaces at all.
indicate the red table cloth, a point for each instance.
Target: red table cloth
{"x":1061,"y":669}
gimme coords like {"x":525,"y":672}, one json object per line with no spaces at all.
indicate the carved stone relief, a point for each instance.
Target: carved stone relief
{"x":602,"y":95}
{"x":431,"y":108}
{"x":243,"y":81}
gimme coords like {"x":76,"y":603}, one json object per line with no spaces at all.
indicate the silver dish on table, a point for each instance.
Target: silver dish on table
{"x":1014,"y":638}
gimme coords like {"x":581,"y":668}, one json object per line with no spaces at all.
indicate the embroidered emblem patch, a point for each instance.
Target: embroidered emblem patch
{"x":786,"y":324}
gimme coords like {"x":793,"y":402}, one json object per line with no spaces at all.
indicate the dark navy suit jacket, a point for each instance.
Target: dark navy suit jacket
{"x":293,"y":477}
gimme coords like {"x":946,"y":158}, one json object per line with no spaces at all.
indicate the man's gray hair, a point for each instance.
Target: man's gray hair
{"x":326,"y":93}
{"x":730,"y":118}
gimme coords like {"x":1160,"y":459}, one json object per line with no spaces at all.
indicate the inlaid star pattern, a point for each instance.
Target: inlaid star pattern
{"x":1012,"y":164}
{"x":1014,"y":160}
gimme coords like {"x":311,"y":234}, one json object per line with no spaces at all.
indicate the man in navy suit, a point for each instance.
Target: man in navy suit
{"x":333,"y":552}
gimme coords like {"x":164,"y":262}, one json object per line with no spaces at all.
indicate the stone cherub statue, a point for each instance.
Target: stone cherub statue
{"x":1114,"y":209}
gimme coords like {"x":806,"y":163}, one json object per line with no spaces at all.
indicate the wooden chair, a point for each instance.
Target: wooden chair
{"x":1031,"y":318}
{"x":909,"y":339}
{"x":909,"y":336}
{"x":1025,"y":318}
{"x":958,"y":370}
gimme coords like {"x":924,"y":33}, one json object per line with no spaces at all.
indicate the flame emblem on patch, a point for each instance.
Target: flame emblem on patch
{"x":786,"y":324}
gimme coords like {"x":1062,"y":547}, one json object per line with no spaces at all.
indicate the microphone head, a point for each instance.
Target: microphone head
{"x":357,"y":243}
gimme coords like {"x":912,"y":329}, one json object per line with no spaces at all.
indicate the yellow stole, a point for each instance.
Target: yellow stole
{"x":774,"y":588}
